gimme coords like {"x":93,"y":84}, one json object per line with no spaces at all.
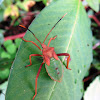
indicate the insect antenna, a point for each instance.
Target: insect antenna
{"x":53,"y":27}
{"x":31,"y":32}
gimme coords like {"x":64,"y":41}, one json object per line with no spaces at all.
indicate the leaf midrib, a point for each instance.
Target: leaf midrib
{"x":74,"y":25}
{"x":76,"y":18}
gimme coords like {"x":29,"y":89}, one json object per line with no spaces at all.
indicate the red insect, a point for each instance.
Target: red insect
{"x":50,"y":58}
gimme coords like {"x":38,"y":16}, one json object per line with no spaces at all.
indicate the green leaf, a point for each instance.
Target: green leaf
{"x":45,"y":2}
{"x":7,"y":43}
{"x":5,"y":55}
{"x":25,"y":4}
{"x":7,"y":2}
{"x":10,"y":46}
{"x":73,"y":36}
{"x":18,"y":41}
{"x":5,"y":63}
{"x":12,"y":11}
{"x":11,"y":49}
{"x":4,"y":73}
{"x":1,"y":50}
{"x":94,"y":4}
{"x":1,"y":14}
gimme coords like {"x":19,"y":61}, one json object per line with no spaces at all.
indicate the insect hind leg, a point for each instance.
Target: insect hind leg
{"x":68,"y":59}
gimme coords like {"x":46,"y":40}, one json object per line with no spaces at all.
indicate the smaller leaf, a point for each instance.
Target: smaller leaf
{"x":5,"y":55}
{"x":4,"y":73}
{"x":93,"y":91}
{"x":18,"y":41}
{"x":1,"y":13}
{"x":11,"y":49}
{"x":7,"y":43}
{"x":45,"y":2}
{"x":94,"y":4}
{"x":5,"y":63}
{"x":7,"y":2}
{"x":12,"y":11}
{"x":25,"y":4}
{"x":1,"y":50}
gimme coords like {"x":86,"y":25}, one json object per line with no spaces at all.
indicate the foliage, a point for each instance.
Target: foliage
{"x":73,"y":36}
{"x":12,"y":11}
{"x":7,"y":55}
{"x":11,"y":8}
{"x":70,"y":32}
{"x":44,"y":1}
{"x":25,"y":4}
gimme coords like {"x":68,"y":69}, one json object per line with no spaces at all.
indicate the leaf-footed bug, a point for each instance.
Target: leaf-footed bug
{"x":53,"y":64}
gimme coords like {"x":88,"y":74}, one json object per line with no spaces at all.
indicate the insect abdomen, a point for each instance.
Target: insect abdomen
{"x":55,"y":70}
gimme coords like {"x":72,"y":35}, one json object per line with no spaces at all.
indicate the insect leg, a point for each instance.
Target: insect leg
{"x":33,"y":43}
{"x":37,"y":79}
{"x":30,"y":58}
{"x":68,"y":59}
{"x":51,"y":39}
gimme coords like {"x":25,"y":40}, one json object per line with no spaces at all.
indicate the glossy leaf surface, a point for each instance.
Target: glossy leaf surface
{"x":73,"y":37}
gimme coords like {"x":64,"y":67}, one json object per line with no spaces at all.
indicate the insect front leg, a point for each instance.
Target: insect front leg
{"x":68,"y":59}
{"x":30,"y":58}
{"x":51,"y":39}
{"x":32,"y":43}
